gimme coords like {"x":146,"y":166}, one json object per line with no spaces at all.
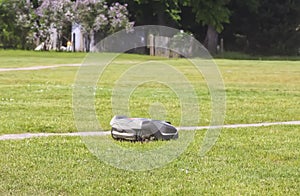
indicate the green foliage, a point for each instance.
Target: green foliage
{"x":8,"y":31}
{"x":14,"y":28}
{"x":260,"y":27}
{"x":277,"y":22}
{"x":264,"y":27}
{"x":26,"y":24}
{"x":145,"y":12}
{"x":213,"y":13}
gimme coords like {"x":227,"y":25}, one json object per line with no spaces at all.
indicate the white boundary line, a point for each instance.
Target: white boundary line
{"x":38,"y":67}
{"x":241,"y":125}
{"x":34,"y":135}
{"x":103,"y":133}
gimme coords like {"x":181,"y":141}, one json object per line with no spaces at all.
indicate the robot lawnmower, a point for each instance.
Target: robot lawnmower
{"x":141,"y":129}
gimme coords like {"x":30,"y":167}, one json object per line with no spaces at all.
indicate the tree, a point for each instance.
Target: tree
{"x":264,"y":27}
{"x":153,"y":12}
{"x":6,"y":25}
{"x":256,"y":26}
{"x":212,"y":14}
{"x":43,"y":18}
{"x":96,"y":15}
{"x":12,"y":34}
{"x":53,"y":17}
{"x":277,"y":22}
{"x":242,"y":23}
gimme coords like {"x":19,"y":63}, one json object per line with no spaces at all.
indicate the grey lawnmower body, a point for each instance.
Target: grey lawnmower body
{"x":141,"y":129}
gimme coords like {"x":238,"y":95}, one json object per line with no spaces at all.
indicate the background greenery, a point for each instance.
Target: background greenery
{"x":264,"y":27}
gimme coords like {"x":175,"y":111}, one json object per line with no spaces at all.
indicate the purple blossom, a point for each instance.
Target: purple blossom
{"x":56,"y":14}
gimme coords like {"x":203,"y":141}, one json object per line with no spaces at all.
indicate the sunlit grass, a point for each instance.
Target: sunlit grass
{"x":17,"y":58}
{"x":41,"y":100}
{"x":243,"y":161}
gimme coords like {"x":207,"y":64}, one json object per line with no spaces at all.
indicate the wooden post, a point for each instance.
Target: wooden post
{"x":74,"y":42}
{"x":151,"y":44}
{"x":222,"y":46}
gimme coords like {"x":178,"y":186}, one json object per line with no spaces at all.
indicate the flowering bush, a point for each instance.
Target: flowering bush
{"x":52,"y":16}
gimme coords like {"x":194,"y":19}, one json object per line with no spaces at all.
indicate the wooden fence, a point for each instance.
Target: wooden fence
{"x":170,"y":47}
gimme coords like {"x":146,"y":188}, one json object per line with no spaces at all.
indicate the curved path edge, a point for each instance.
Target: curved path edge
{"x":38,"y":67}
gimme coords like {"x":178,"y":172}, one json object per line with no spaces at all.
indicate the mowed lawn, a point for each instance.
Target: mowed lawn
{"x":261,"y":161}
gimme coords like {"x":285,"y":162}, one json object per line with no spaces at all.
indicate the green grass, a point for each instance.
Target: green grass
{"x":244,"y":161}
{"x":41,"y":101}
{"x":244,"y":56}
{"x":18,"y":58}
{"x":260,"y":161}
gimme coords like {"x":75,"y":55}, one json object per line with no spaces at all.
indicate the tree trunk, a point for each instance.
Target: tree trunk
{"x":59,"y":40}
{"x":211,"y":40}
{"x":160,"y":14}
{"x":92,"y":41}
{"x":161,"y":18}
